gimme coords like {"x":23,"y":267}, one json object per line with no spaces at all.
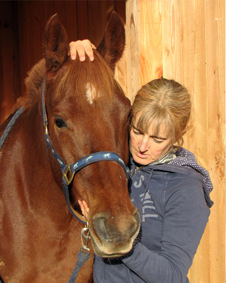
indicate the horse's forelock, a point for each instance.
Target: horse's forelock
{"x":91,"y":80}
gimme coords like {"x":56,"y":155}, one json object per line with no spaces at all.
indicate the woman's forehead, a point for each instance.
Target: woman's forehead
{"x":161,"y":131}
{"x":153,"y":127}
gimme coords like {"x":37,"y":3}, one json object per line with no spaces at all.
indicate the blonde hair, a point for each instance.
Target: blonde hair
{"x":162,"y":102}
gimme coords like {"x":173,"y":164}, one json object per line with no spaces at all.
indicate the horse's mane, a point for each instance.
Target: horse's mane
{"x":33,"y":83}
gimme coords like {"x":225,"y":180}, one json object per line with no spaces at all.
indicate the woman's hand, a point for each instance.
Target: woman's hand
{"x":83,"y":47}
{"x":84,"y":208}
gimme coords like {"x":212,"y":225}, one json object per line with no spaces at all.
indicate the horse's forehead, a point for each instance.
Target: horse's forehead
{"x":91,"y":93}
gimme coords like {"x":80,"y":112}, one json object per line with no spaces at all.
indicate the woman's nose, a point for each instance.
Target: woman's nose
{"x":143,"y":145}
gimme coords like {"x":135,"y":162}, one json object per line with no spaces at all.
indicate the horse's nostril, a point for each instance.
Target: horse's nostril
{"x":108,"y":228}
{"x":99,"y":225}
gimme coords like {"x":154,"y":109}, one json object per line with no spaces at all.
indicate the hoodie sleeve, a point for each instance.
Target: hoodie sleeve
{"x":185,"y":218}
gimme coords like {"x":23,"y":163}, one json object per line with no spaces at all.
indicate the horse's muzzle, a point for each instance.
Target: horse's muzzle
{"x":114,"y":236}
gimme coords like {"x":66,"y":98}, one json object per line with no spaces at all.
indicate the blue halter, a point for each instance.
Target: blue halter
{"x":71,"y":170}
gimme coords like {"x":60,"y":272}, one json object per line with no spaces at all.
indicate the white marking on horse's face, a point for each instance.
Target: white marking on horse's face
{"x":91,"y":93}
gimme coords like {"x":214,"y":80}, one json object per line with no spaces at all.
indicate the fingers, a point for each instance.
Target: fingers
{"x":83,"y":47}
{"x":73,"y":50}
{"x":84,"y":208}
{"x":88,"y":48}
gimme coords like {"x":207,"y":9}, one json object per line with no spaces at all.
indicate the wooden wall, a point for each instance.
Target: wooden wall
{"x":185,"y":40}
{"x":179,"y":39}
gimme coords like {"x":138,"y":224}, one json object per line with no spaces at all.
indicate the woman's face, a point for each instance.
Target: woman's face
{"x":146,"y":147}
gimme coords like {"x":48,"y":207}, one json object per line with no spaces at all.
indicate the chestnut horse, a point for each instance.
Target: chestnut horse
{"x":84,"y":142}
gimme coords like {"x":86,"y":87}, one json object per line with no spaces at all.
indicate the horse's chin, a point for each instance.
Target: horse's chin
{"x":106,"y":253}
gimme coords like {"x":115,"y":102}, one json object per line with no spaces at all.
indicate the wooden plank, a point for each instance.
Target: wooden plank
{"x":150,"y":40}
{"x":132,"y":48}
{"x":215,"y":86}
{"x":171,"y":39}
{"x":188,"y":51}
{"x":121,"y":66}
{"x":194,"y":77}
{"x":200,"y":107}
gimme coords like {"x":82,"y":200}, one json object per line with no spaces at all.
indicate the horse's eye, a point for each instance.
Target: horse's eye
{"x":60,"y":123}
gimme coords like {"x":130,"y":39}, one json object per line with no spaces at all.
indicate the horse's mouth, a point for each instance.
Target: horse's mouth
{"x":106,"y":253}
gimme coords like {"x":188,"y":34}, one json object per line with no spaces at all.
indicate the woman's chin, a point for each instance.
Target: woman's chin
{"x":142,"y":159}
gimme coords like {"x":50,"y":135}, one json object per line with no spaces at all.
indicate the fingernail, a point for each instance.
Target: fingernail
{"x":73,"y":57}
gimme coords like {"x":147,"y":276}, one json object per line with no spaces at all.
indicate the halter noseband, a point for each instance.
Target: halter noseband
{"x":71,"y":170}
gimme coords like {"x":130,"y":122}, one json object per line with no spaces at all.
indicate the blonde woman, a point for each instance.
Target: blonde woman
{"x":166,"y":184}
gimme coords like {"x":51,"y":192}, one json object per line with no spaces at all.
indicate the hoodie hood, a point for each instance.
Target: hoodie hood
{"x":187,"y":159}
{"x":185,"y":163}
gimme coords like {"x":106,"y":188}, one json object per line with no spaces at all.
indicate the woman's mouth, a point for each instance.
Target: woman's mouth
{"x":142,"y":155}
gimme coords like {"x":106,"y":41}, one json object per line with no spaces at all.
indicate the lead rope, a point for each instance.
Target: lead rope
{"x":83,"y":255}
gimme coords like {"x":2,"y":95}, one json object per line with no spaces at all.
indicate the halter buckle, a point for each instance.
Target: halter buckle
{"x":67,"y":179}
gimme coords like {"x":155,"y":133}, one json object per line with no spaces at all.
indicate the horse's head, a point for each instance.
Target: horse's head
{"x":88,"y":112}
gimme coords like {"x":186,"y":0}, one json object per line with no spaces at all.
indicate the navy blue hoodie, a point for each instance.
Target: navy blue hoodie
{"x":173,"y":200}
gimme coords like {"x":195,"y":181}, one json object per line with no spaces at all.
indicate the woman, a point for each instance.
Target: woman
{"x":167,"y":185}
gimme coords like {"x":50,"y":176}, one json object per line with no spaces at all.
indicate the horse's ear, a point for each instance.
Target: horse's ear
{"x":112,"y":45}
{"x":56,"y":44}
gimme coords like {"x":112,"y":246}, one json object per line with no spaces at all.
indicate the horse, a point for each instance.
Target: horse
{"x":67,"y":141}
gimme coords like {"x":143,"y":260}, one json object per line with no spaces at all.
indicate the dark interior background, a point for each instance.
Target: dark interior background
{"x":22,"y":26}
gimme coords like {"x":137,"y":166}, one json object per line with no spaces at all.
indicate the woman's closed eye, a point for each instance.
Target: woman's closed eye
{"x":137,"y":132}
{"x":158,"y":140}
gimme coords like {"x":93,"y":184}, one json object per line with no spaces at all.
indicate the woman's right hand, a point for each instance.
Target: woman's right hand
{"x":83,"y":47}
